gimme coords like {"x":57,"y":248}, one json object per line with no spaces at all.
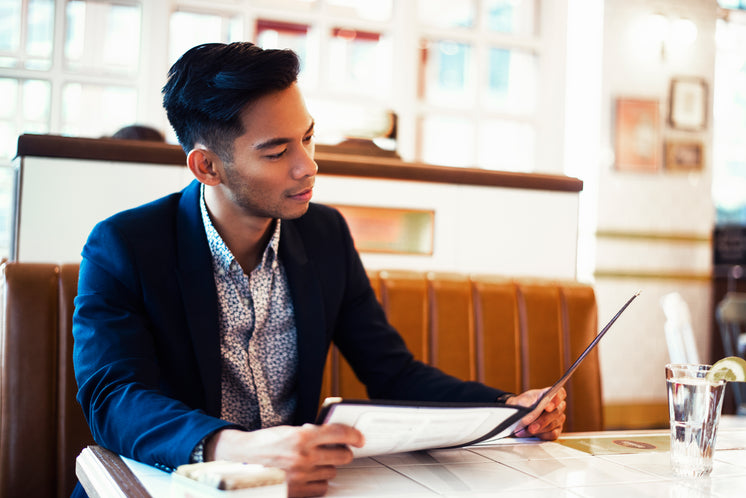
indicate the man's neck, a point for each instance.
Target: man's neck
{"x":245,"y":236}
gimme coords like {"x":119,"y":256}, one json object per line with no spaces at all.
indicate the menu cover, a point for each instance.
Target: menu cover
{"x":395,"y":426}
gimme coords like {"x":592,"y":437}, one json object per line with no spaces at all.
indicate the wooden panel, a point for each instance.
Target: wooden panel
{"x":404,"y":296}
{"x":498,"y":346}
{"x":580,"y":323}
{"x":542,"y":348}
{"x":452,"y":326}
{"x":625,"y":416}
{"x":104,"y":473}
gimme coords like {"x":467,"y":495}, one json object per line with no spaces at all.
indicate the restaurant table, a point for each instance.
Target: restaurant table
{"x":591,"y":464}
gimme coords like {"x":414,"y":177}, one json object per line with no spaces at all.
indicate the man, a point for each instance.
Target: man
{"x":203,"y":319}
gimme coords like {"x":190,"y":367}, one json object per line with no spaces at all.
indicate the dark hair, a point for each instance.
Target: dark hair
{"x":139,"y":132}
{"x":210,"y":84}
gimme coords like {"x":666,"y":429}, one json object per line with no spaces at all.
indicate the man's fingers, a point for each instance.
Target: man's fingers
{"x":333,"y":455}
{"x":333,"y":434}
{"x":310,"y":483}
{"x":303,"y":489}
{"x":547,"y":424}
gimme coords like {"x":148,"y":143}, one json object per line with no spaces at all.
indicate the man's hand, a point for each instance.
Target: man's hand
{"x":309,"y":455}
{"x":545,"y":423}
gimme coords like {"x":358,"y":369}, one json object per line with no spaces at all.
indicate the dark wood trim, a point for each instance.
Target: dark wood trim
{"x":106,"y":149}
{"x":112,"y":466}
{"x":101,"y":149}
{"x":396,"y":169}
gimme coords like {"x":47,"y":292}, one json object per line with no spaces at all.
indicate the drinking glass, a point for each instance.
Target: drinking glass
{"x":694,"y":405}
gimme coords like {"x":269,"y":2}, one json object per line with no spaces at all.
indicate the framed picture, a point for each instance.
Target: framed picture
{"x":390,"y":230}
{"x":638,"y":135}
{"x":688,"y":104}
{"x":684,"y":155}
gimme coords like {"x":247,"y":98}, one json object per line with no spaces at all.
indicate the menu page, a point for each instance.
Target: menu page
{"x":391,"y":427}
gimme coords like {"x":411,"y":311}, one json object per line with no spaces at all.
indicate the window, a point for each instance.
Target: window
{"x":485,"y":62}
{"x":362,"y":62}
{"x":102,"y":37}
{"x":82,"y":105}
{"x":188,"y":29}
{"x":729,"y":148}
{"x":278,"y":34}
{"x":34,"y":50}
{"x":25,"y":103}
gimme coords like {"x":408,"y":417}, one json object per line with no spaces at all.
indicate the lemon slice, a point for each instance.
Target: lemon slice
{"x":731,"y":369}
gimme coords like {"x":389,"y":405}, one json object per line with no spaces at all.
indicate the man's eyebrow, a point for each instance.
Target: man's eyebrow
{"x":274,"y":142}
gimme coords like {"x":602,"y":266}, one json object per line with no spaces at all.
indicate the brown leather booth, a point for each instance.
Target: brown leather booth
{"x":514,"y":334}
{"x":42,"y":428}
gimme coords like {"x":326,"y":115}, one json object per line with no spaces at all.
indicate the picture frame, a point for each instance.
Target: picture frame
{"x":638,"y":135}
{"x":390,"y":230}
{"x":684,"y":155}
{"x":688,"y":104}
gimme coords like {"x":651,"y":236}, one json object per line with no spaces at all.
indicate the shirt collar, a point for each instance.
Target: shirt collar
{"x":222,"y":257}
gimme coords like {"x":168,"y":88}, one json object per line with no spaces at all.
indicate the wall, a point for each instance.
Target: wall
{"x":653,"y":229}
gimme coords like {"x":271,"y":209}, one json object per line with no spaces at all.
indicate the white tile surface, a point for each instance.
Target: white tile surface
{"x":659,"y":464}
{"x":672,"y":489}
{"x":512,"y":493}
{"x":431,"y":457}
{"x":379,"y":481}
{"x":728,"y":487}
{"x":523,"y":469}
{"x":572,"y":472}
{"x":466,"y":479}
{"x":543,"y":451}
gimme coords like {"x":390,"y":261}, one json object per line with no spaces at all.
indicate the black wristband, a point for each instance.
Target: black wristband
{"x":503,"y":398}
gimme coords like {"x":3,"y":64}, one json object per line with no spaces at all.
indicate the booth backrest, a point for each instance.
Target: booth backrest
{"x":512,"y":334}
{"x":42,"y":428}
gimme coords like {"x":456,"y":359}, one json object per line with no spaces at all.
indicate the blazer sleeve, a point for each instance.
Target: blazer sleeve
{"x":119,"y":355}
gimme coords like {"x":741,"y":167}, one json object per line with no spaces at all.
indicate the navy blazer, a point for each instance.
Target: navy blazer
{"x":147,"y":345}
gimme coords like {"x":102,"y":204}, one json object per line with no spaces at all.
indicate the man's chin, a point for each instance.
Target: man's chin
{"x":294,"y":214}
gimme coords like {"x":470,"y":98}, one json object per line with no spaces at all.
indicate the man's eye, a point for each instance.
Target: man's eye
{"x":308,"y":138}
{"x":276,"y":156}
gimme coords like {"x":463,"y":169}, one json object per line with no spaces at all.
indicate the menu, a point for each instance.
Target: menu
{"x":393,"y":427}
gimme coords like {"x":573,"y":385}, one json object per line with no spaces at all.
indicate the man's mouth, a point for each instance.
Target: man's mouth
{"x":303,"y":195}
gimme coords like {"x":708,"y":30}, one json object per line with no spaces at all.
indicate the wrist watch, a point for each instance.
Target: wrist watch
{"x":503,"y":398}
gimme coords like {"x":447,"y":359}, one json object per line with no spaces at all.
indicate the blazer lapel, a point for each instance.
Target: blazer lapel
{"x":309,"y":321}
{"x":194,"y":273}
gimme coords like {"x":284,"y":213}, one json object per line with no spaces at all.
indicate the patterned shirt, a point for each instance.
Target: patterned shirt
{"x":258,"y":343}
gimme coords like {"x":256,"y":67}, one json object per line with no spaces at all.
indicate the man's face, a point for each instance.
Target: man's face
{"x":273,"y":172}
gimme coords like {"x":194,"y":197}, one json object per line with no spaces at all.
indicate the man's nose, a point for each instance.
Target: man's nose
{"x":305,"y":165}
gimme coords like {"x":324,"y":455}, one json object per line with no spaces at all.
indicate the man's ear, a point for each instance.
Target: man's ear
{"x":202,"y":163}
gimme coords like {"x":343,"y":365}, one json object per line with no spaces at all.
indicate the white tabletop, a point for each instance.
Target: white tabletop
{"x":577,"y":465}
